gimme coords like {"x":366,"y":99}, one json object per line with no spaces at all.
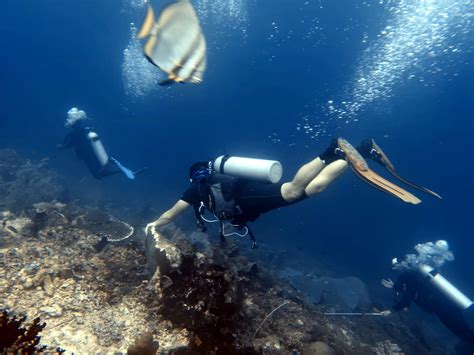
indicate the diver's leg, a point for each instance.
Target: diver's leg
{"x":294,"y":189}
{"x":325,"y":177}
{"x":109,"y":169}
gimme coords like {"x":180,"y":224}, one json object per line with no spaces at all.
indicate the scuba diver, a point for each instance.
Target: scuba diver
{"x":237,"y":190}
{"x":430,"y":291}
{"x":88,"y":147}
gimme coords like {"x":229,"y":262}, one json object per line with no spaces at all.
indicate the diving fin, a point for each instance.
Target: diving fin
{"x":421,"y":188}
{"x":361,"y":169}
{"x":128,"y":173}
{"x":377,"y":154}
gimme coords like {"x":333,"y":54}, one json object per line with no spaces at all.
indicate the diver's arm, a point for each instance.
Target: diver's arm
{"x":403,"y":303}
{"x":67,"y":142}
{"x":167,"y":217}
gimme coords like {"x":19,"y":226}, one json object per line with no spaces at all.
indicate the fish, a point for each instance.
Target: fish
{"x":175,"y":43}
{"x":12,"y":229}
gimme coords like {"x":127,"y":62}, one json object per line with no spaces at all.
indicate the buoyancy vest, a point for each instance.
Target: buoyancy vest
{"x":217,"y":195}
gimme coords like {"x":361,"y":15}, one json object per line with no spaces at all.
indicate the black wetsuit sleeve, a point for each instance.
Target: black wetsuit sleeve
{"x":191,"y":196}
{"x":406,"y":286}
{"x":403,"y":303}
{"x":68,"y":141}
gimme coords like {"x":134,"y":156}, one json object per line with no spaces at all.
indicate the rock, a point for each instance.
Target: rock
{"x":318,"y":348}
{"x":4,"y":284}
{"x":387,"y":348}
{"x":342,"y":294}
{"x":23,"y":183}
{"x":28,"y":283}
{"x":38,"y":280}
{"x":143,"y":345}
{"x":20,"y":225}
{"x":52,"y":311}
{"x":48,"y":285}
{"x":32,"y":269}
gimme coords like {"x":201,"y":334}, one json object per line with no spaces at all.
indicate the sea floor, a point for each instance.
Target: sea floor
{"x":179,"y":293}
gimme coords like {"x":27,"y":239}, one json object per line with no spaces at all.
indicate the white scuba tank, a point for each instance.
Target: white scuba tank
{"x":98,"y":148}
{"x":446,"y":287}
{"x":249,"y":168}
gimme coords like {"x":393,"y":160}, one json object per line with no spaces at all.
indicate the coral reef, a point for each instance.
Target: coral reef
{"x":173,"y":298}
{"x":23,"y":182}
{"x":15,"y":338}
{"x":232,"y":305}
{"x":177,"y":294}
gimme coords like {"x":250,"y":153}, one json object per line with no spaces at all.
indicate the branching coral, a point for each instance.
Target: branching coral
{"x":15,"y":338}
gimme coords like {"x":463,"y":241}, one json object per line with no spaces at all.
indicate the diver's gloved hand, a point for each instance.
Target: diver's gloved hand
{"x":387,"y":283}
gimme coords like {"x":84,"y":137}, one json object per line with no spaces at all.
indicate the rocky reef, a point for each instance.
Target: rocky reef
{"x":189,"y":299}
{"x":23,"y":182}
{"x":229,"y":305}
{"x":101,"y":289}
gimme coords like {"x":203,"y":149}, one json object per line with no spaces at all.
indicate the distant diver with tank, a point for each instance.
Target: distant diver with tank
{"x":423,"y":285}
{"x":238,"y":190}
{"x":89,"y":148}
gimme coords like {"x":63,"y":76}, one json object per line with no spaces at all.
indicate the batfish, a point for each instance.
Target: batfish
{"x":175,"y":42}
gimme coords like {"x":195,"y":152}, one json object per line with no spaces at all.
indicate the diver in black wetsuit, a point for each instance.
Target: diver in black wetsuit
{"x":236,"y":201}
{"x":241,"y":196}
{"x":89,"y":148}
{"x":434,"y":294}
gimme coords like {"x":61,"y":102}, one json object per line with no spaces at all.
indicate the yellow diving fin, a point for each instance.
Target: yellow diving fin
{"x":361,"y":169}
{"x":381,"y":158}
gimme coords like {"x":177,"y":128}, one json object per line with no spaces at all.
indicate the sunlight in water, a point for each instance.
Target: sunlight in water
{"x":421,"y":41}
{"x":409,"y":48}
{"x":139,"y":76}
{"x":227,"y":17}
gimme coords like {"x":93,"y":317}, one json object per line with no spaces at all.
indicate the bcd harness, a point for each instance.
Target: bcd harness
{"x":216,"y":195}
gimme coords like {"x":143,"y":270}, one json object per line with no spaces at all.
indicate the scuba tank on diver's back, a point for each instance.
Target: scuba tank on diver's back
{"x":249,"y":168}
{"x":98,"y":148}
{"x":446,"y":287}
{"x":462,"y":302}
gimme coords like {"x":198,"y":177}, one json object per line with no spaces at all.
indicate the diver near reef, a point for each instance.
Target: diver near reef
{"x":430,"y":291}
{"x":234,"y":191}
{"x":89,"y":148}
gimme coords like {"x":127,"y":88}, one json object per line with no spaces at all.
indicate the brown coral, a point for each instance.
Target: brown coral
{"x":15,"y":338}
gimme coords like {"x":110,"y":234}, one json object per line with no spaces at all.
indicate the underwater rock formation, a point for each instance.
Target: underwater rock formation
{"x":180,"y":294}
{"x":346,"y":294}
{"x":230,"y":305}
{"x":172,"y":299}
{"x":23,"y":182}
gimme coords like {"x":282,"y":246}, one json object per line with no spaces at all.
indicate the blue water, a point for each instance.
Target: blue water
{"x":273,"y":66}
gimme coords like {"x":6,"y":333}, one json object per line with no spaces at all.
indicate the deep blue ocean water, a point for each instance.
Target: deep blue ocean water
{"x":273,"y":67}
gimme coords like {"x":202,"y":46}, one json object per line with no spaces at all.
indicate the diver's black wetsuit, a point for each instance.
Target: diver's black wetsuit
{"x":253,"y":197}
{"x":78,"y":140}
{"x":412,"y":286}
